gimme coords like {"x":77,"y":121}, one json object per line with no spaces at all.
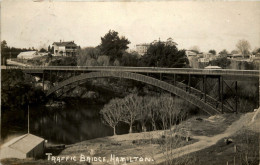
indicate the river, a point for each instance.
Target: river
{"x":68,"y":124}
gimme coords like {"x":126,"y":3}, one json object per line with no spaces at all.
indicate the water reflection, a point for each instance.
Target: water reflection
{"x":70,"y":125}
{"x":67,"y":125}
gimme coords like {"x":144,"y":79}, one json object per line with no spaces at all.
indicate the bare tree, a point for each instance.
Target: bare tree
{"x":131,"y":108}
{"x":153,"y":108}
{"x":243,"y":47}
{"x":144,"y":113}
{"x":111,"y":113}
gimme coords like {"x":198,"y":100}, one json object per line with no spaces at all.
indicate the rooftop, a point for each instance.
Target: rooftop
{"x":24,"y":143}
{"x":71,"y":43}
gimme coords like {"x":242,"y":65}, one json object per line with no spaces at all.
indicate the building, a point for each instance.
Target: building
{"x":190,"y":53}
{"x":142,"y":48}
{"x":203,"y":60}
{"x":28,"y":55}
{"x":212,"y":67}
{"x":25,"y":146}
{"x":68,"y":48}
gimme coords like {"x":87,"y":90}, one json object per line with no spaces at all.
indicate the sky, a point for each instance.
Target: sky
{"x":209,"y":25}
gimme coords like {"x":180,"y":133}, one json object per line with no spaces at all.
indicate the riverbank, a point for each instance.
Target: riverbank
{"x":207,"y":134}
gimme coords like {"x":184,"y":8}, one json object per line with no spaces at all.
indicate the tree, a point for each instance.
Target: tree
{"x":131,"y":107}
{"x":111,"y":113}
{"x":223,"y":53}
{"x":103,"y":61}
{"x":256,"y":50}
{"x":113,"y":45}
{"x":153,"y":110}
{"x":49,"y":49}
{"x":43,"y":50}
{"x":222,"y":62}
{"x":160,"y":54}
{"x":243,"y":47}
{"x":87,"y":53}
{"x":17,"y":90}
{"x":144,"y":113}
{"x":213,"y":52}
{"x":129,"y":59}
{"x":234,"y":52}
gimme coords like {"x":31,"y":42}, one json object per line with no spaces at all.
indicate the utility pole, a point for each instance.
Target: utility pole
{"x":28,"y":119}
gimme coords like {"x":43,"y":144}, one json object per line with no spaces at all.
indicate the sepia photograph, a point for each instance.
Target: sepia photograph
{"x":160,"y":82}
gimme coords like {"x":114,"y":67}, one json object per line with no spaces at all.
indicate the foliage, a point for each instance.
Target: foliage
{"x":223,"y":53}
{"x":113,"y":46}
{"x":222,"y":62}
{"x":129,"y":59}
{"x":213,"y":52}
{"x":42,"y":50}
{"x":243,"y":47}
{"x":103,"y":60}
{"x":86,"y":54}
{"x":64,"y":61}
{"x":17,"y":90}
{"x":10,"y":52}
{"x":111,"y":113}
{"x":256,"y":50}
{"x":161,"y":54}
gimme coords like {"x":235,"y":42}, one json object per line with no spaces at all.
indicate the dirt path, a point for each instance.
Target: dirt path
{"x":205,"y":141}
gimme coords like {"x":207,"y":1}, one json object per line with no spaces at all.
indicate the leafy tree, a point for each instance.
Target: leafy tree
{"x":256,"y":50}
{"x":111,"y":113}
{"x":223,"y":53}
{"x":17,"y":90}
{"x":213,"y":52}
{"x":113,"y":46}
{"x":243,"y":47}
{"x":64,"y":61}
{"x":129,"y":59}
{"x":49,"y":48}
{"x":222,"y":62}
{"x":163,"y":55}
{"x":103,"y":61}
{"x":43,"y":50}
{"x":87,"y":53}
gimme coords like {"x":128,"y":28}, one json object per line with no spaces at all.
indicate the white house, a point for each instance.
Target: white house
{"x":28,"y":55}
{"x":190,"y":53}
{"x":22,"y":147}
{"x":68,"y":48}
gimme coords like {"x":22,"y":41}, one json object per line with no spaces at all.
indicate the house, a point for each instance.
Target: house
{"x":68,"y":48}
{"x":203,"y":60}
{"x":237,"y":56}
{"x":28,"y":55}
{"x":22,"y":147}
{"x":142,"y":48}
{"x":190,"y":53}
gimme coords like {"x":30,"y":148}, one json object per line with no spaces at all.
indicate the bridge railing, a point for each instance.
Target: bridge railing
{"x":250,"y":73}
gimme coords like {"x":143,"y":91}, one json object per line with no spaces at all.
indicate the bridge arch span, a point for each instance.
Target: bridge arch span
{"x":141,"y":78}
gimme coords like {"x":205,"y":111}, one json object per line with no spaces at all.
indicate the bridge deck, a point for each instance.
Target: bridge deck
{"x":222,"y":72}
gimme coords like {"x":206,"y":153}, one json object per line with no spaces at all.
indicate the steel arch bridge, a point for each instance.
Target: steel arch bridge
{"x":73,"y":76}
{"x":179,"y":89}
